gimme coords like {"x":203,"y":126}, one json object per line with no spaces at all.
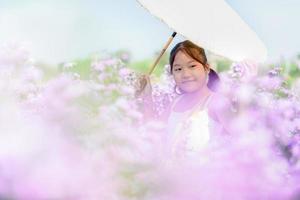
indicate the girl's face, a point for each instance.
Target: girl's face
{"x":189,"y":75}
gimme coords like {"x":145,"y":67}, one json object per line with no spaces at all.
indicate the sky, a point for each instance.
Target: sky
{"x":61,"y":30}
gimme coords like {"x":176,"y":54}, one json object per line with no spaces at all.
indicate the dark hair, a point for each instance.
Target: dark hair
{"x":198,"y":54}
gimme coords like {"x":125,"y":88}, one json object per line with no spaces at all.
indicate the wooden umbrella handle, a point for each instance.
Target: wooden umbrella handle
{"x":143,"y":82}
{"x":162,"y":53}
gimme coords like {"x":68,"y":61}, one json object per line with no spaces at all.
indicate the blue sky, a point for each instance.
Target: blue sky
{"x":276,"y":23}
{"x":57,"y":31}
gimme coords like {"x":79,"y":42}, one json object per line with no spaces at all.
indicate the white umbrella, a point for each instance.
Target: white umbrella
{"x":211,"y":24}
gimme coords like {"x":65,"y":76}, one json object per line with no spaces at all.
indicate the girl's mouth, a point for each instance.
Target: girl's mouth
{"x":184,"y":82}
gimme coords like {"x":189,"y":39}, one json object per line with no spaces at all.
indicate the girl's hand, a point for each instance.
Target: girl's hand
{"x":144,"y":88}
{"x":145,"y":92}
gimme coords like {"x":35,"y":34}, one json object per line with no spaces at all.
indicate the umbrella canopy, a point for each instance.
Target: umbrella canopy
{"x":211,"y":24}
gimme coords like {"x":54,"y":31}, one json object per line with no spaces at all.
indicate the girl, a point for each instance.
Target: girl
{"x":196,"y":83}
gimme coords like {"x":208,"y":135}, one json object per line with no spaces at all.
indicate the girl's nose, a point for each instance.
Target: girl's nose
{"x":186,"y":73}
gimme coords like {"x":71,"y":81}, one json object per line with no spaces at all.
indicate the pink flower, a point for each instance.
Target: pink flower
{"x":99,"y":66}
{"x":124,"y":72}
{"x":245,"y":70}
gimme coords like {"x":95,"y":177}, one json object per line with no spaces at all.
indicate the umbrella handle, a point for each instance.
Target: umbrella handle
{"x":161,"y":53}
{"x":143,"y":82}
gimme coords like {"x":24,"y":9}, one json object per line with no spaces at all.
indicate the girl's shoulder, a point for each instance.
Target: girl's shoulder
{"x":217,"y":102}
{"x":218,"y":108}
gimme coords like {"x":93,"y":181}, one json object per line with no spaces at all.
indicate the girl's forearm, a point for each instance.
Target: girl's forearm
{"x":148,"y":108}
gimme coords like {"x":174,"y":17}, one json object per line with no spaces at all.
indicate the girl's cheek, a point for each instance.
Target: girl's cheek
{"x":176,"y":76}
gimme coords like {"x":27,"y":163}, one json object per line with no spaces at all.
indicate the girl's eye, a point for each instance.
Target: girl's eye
{"x":177,"y":69}
{"x":192,"y":66}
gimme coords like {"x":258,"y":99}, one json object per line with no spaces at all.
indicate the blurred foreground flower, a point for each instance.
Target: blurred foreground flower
{"x":69,"y":138}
